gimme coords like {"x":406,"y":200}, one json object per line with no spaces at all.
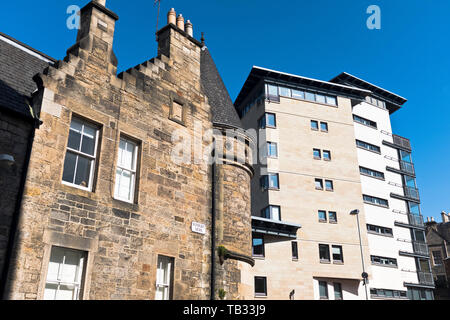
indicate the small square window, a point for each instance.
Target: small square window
{"x":258,"y":245}
{"x":317,"y":154}
{"x":332,"y":216}
{"x":326,"y":155}
{"x":261,"y":286}
{"x":319,"y":184}
{"x":314,"y":125}
{"x":322,"y":216}
{"x":337,"y":254}
{"x":332,"y":101}
{"x":272,"y":149}
{"x":329,"y":185}
{"x":324,"y":126}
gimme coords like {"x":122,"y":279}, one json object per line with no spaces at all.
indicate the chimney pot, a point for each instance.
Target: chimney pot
{"x":445,"y":217}
{"x":432,"y":219}
{"x":180,"y":22}
{"x":172,"y":17}
{"x":189,"y":28}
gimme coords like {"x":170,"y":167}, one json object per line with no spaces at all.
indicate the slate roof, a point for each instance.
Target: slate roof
{"x":19,"y":63}
{"x":222,"y":108}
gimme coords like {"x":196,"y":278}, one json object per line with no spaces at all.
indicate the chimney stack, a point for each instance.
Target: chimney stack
{"x":180,"y":22}
{"x":189,"y":28}
{"x":172,"y":17}
{"x":432,"y":219}
{"x":445,"y":217}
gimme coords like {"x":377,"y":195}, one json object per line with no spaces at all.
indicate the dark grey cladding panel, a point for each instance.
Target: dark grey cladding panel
{"x":17,"y":68}
{"x":222,"y":108}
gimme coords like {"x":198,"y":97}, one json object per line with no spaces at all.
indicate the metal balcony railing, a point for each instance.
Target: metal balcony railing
{"x":416,"y":220}
{"x":425,"y":278}
{"x":402,"y":142}
{"x":420,"y":248}
{"x":407,"y":167}
{"x":411,"y":192}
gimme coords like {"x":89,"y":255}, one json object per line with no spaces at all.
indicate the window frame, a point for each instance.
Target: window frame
{"x":384,"y":259}
{"x":134,"y":171}
{"x":362,"y":120}
{"x":317,"y":128}
{"x":263,"y":123}
{"x":259,"y":236}
{"x":375,"y":203}
{"x":325,"y":215}
{"x":341,"y":254}
{"x":332,"y":185}
{"x":340,"y":291}
{"x":329,"y":155}
{"x":268,"y":147}
{"x":321,"y":184}
{"x":321,"y":283}
{"x":324,"y":260}
{"x":326,"y":124}
{"x":320,"y":154}
{"x":294,"y":249}
{"x":169,"y":286}
{"x":260,"y":294}
{"x":81,"y":273}
{"x":335,"y":220}
{"x":372,"y":173}
{"x":368,"y":146}
{"x":270,"y":208}
{"x":92,"y":158}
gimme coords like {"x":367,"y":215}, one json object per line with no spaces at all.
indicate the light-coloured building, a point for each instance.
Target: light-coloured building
{"x":326,"y":149}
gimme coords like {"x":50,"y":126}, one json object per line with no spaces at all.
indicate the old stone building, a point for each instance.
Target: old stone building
{"x":112,"y":207}
{"x":438,"y":239}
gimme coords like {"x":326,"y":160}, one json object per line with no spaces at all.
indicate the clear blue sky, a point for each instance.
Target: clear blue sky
{"x":318,"y":39}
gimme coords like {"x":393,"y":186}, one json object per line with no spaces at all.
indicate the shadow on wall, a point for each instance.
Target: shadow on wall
{"x":15,"y":130}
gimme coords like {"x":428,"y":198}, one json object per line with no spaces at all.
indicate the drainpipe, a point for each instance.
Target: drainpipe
{"x":35,"y":122}
{"x":213,"y":229}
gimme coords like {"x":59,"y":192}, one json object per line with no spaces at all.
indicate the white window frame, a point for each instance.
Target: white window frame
{"x":80,"y":273}
{"x":93,"y":158}
{"x":132,"y":171}
{"x":160,"y":282}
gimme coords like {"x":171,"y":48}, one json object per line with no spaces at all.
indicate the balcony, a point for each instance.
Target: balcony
{"x":420,"y":248}
{"x":275,"y":227}
{"x":416,"y":220}
{"x":407,"y":167}
{"x":425,"y":278}
{"x":401,"y":142}
{"x":412,"y":193}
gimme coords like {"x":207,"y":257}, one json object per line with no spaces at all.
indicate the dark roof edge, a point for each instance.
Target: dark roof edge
{"x":371,"y":87}
{"x":46,"y":57}
{"x":253,"y":73}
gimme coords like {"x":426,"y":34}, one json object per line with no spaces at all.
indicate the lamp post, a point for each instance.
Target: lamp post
{"x":364,"y":274}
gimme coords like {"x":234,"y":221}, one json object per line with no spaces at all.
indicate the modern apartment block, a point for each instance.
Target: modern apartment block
{"x":327,"y":149}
